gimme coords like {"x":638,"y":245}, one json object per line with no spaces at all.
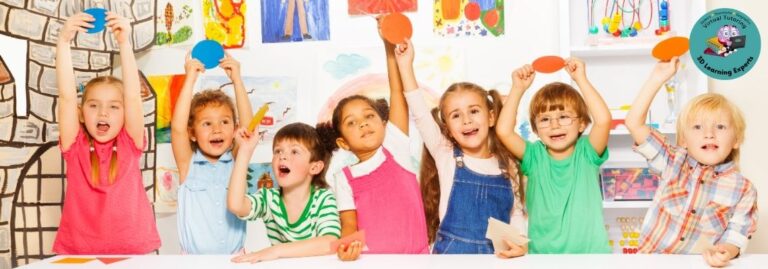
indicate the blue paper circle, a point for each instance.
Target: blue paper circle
{"x":208,"y":52}
{"x":100,"y":16}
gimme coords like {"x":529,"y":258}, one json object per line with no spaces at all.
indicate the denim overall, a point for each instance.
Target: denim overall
{"x":474,"y":198}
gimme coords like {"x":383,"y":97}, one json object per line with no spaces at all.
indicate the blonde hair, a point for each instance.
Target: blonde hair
{"x":117,"y":83}
{"x":712,"y":104}
{"x":557,"y":96}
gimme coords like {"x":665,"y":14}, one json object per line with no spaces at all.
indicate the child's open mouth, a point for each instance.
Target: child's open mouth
{"x":710,"y":147}
{"x":367,"y":134}
{"x":557,"y":137}
{"x":283,"y":171}
{"x":102,"y":126}
{"x":470,"y":132}
{"x":218,"y":142}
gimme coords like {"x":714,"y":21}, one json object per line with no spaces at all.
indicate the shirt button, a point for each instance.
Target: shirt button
{"x":682,"y":238}
{"x":701,"y":181}
{"x":693,"y":211}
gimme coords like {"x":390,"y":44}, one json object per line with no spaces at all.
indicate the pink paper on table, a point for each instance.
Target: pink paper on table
{"x":357,"y":236}
{"x":111,"y":260}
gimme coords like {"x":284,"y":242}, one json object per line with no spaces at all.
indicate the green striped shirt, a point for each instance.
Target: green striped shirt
{"x":319,"y":218}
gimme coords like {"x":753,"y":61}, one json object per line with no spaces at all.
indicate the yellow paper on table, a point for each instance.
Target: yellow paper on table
{"x":499,"y":231}
{"x":73,"y":260}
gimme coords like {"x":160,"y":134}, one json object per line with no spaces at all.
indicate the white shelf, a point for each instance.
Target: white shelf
{"x":626,"y":204}
{"x":626,"y":132}
{"x":613,"y":50}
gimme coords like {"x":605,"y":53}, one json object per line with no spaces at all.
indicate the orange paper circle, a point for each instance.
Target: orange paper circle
{"x":670,"y":47}
{"x":548,"y":64}
{"x":396,"y":27}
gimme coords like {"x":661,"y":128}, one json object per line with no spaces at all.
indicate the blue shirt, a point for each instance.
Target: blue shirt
{"x":205,"y":224}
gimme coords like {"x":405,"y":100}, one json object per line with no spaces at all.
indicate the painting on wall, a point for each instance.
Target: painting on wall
{"x":279,"y":93}
{"x":467,"y":18}
{"x":224,"y":22}
{"x":167,"y":88}
{"x":367,"y":7}
{"x":174,"y":27}
{"x":294,"y":20}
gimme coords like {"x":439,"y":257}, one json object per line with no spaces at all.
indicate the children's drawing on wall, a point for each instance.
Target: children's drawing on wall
{"x":260,"y":175}
{"x":366,"y":7}
{"x":464,"y":18}
{"x":167,"y":188}
{"x":279,"y":93}
{"x":30,"y":160}
{"x":294,"y":20}
{"x":174,"y":27}
{"x":224,"y":22}
{"x":167,"y":88}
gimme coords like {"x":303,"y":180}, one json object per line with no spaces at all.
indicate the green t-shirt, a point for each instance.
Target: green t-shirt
{"x":565,"y":208}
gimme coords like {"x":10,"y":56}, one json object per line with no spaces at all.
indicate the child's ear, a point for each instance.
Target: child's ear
{"x":80,"y":114}
{"x":582,"y":126}
{"x":342,"y":143}
{"x":491,"y":118}
{"x":191,"y":134}
{"x":316,"y":167}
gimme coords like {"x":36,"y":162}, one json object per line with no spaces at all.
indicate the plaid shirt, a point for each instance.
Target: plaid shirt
{"x":695,"y":205}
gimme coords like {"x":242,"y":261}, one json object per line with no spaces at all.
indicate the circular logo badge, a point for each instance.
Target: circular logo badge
{"x":725,"y":44}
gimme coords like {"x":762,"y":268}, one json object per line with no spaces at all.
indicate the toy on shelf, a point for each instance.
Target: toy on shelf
{"x":630,"y":233}
{"x":617,"y":21}
{"x":628,"y":184}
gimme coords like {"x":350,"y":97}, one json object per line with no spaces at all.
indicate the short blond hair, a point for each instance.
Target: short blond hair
{"x":712,"y":104}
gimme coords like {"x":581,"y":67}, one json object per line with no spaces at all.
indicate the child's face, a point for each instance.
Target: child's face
{"x":710,"y":138}
{"x":362,"y":130}
{"x":468,"y":120}
{"x":213,"y":130}
{"x":292,"y":163}
{"x":559,"y":129}
{"x":103,"y":112}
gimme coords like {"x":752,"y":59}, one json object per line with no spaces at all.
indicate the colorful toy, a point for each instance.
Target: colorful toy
{"x":616,"y":20}
{"x":630,"y":183}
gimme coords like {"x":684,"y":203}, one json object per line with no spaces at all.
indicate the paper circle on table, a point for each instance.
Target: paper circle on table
{"x":100,"y":19}
{"x":670,"y":47}
{"x":208,"y":52}
{"x":548,"y":64}
{"x":396,"y":27}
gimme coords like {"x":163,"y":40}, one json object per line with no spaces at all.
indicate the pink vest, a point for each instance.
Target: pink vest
{"x":389,"y":209}
{"x":107,"y":219}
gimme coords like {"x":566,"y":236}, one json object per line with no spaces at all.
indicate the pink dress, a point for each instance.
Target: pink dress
{"x":389,"y":209}
{"x":107,"y":219}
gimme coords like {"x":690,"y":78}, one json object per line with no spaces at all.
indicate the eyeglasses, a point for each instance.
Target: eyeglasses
{"x":546,"y":121}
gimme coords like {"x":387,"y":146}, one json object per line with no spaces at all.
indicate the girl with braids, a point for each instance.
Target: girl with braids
{"x":379,"y":194}
{"x":478,"y":177}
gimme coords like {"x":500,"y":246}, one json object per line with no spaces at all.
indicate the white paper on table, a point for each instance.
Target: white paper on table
{"x":499,"y":231}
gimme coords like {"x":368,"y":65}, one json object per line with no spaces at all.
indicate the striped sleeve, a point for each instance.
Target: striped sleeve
{"x":259,"y":205}
{"x":327,"y":215}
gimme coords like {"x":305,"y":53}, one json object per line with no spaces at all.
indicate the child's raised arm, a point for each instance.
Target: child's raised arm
{"x":398,"y":108}
{"x":522,"y":78}
{"x":134,"y":114}
{"x":182,"y":149}
{"x":601,"y":115}
{"x":237,"y":201}
{"x":69,"y":122}
{"x":635,"y":120}
{"x":244,"y":109}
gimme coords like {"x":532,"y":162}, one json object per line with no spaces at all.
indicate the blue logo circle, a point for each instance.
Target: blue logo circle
{"x":725,"y":44}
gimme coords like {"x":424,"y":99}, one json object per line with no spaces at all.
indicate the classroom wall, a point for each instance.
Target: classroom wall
{"x":748,"y":93}
{"x":531,"y":31}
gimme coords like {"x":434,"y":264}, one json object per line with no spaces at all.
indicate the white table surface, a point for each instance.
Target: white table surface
{"x":612,"y":261}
